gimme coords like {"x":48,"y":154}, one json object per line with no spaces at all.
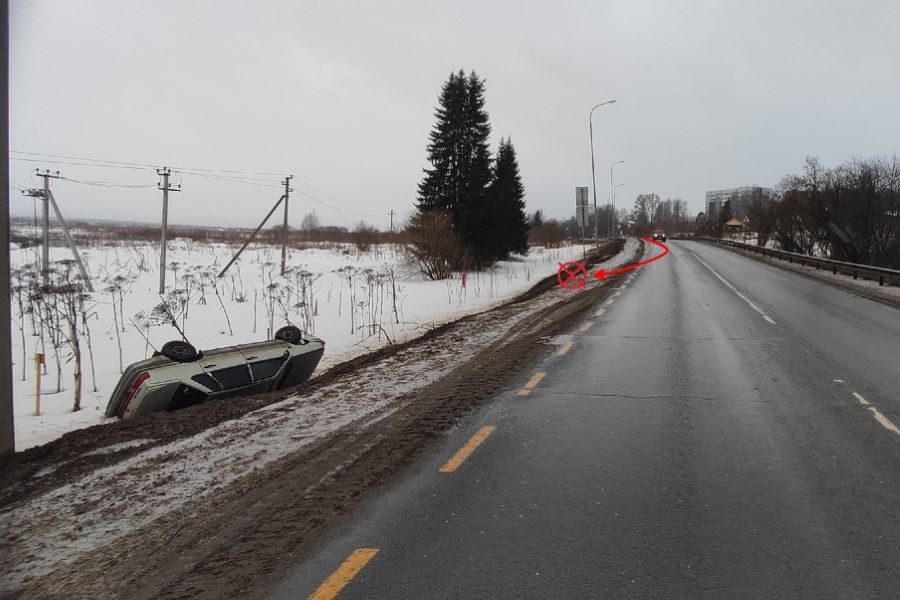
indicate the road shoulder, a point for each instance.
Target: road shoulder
{"x":205,"y":514}
{"x":860,"y":287}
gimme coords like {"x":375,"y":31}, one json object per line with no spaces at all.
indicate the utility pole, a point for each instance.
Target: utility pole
{"x":593,"y":176}
{"x":392,"y":213}
{"x":165,"y":172}
{"x":47,"y":197}
{"x":251,"y":238}
{"x":7,"y":429}
{"x":284,"y":231}
{"x":45,"y":224}
{"x":62,"y":222}
{"x":616,"y":187}
{"x":612,"y":195}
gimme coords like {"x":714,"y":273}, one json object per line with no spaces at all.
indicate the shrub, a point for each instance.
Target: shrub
{"x":433,"y":246}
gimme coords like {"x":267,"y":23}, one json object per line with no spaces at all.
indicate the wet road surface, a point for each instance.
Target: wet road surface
{"x":719,"y":429}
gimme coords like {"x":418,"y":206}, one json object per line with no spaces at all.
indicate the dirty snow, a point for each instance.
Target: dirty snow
{"x":111,"y":502}
{"x":349,"y":303}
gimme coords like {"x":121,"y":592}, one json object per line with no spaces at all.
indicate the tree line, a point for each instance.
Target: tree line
{"x":470,"y":209}
{"x":850,"y":212}
{"x":650,"y":212}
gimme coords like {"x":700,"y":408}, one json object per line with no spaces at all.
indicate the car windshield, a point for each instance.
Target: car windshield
{"x":450,"y":300}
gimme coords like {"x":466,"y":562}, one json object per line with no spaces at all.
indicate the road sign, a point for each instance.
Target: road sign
{"x":581,"y":206}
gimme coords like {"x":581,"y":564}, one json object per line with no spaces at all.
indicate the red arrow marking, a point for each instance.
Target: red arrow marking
{"x":601,"y":274}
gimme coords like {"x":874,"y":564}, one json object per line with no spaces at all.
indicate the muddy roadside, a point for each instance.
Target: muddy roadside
{"x":56,"y":463}
{"x":251,"y":521}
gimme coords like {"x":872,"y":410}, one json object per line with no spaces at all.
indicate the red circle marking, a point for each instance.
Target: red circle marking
{"x":572,"y":275}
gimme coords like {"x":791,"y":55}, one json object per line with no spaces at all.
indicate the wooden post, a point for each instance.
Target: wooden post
{"x":38,"y":361}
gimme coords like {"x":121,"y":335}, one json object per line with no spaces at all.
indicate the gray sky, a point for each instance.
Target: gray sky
{"x":709,"y":95}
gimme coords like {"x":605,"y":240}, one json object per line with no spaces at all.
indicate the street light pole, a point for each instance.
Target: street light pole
{"x":593,"y":176}
{"x":617,"y":186}
{"x":612,"y":197}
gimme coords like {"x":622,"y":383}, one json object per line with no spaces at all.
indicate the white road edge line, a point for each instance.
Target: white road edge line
{"x":600,"y":312}
{"x":733,"y":289}
{"x":882,"y":420}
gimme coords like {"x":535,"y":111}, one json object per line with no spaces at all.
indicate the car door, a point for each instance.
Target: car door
{"x":266,"y":361}
{"x":225,"y":372}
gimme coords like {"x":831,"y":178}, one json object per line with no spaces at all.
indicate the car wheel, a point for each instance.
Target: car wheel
{"x":290,"y":333}
{"x":179,"y":351}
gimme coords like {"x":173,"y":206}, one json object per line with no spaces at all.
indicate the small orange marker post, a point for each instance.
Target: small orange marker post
{"x":38,"y":361}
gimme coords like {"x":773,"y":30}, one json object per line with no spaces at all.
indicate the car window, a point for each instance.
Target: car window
{"x":232,"y":377}
{"x":206,"y":381}
{"x":264,"y":369}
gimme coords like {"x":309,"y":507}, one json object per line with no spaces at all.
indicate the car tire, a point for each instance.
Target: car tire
{"x":290,"y":334}
{"x":179,"y":351}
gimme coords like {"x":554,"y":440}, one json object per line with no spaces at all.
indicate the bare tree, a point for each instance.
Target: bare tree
{"x":309,"y":224}
{"x":433,"y":246}
{"x":364,"y":236}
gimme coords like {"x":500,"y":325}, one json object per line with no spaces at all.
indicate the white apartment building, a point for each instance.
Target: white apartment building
{"x":716,"y":198}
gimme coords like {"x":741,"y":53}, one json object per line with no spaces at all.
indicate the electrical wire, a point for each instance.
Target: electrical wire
{"x":327,"y":195}
{"x":232,"y":172}
{"x":81,"y":158}
{"x":257,"y":182}
{"x":111,"y":184}
{"x":331,"y":206}
{"x":62,"y":162}
{"x":119,"y":163}
{"x":226,"y":175}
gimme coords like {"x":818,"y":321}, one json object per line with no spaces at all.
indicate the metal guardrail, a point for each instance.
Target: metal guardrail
{"x":879,"y":274}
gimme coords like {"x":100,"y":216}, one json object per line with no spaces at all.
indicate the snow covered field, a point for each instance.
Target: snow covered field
{"x":356,"y":301}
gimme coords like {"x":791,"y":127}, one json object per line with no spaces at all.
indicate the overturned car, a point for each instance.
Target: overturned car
{"x":179,"y":376}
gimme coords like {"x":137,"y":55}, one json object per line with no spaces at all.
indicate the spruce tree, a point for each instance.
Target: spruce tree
{"x":505,"y":207}
{"x":460,"y":158}
{"x":441,"y":187}
{"x":474,"y":232}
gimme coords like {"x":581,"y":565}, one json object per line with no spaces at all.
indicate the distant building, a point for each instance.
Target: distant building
{"x":741,"y":195}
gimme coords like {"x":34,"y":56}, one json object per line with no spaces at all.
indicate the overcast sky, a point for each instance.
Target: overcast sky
{"x":341,"y":94}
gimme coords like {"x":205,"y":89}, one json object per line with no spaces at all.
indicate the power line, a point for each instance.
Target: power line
{"x":216,"y":174}
{"x":111,"y":184}
{"x":337,"y":208}
{"x":311,"y":186}
{"x":248,"y":181}
{"x":233,"y":172}
{"x":115,"y":163}
{"x":76,"y":164}
{"x":82,"y":158}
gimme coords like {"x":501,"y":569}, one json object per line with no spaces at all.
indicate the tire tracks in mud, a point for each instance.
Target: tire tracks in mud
{"x":229,"y":544}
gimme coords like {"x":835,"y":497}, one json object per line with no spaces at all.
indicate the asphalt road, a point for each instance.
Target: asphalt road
{"x":721,"y":430}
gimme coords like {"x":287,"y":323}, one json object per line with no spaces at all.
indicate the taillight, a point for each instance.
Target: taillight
{"x":132,"y":390}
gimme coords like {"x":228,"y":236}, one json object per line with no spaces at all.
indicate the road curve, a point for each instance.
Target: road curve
{"x":720,"y":429}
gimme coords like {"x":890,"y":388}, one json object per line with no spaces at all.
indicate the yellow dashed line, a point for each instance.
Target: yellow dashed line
{"x":564,"y":349}
{"x":338,"y":580}
{"x":535,"y":379}
{"x":585,"y":326}
{"x":468,"y":448}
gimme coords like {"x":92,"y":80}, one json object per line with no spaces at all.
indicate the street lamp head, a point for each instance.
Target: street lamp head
{"x":602,"y":104}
